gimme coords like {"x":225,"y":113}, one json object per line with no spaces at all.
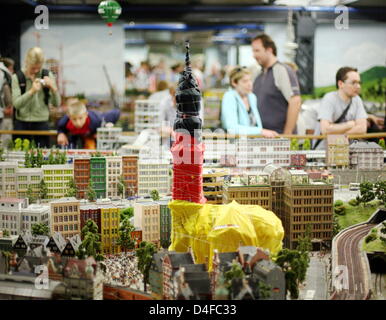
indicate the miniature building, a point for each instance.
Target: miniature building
{"x":147,"y":115}
{"x":8,"y":179}
{"x":16,"y":157}
{"x":28,"y":177}
{"x":57,"y":177}
{"x":33,"y":214}
{"x":110,"y":218}
{"x":171,"y":263}
{"x":98,"y":176}
{"x":56,"y":243}
{"x":65,"y":217}
{"x":81,"y":176}
{"x":147,"y":218}
{"x":10,"y":214}
{"x":107,"y":138}
{"x":260,"y":152}
{"x":113,"y":175}
{"x":153,"y":175}
{"x":252,"y":189}
{"x":213,"y":183}
{"x":366,"y":155}
{"x":7,"y":243}
{"x":130,"y":174}
{"x":298,"y":160}
{"x":165,"y":223}
{"x":90,"y":212}
{"x":156,"y":275}
{"x":71,"y":246}
{"x":217,"y":148}
{"x":307,"y":203}
{"x":83,"y":279}
{"x":337,"y":151}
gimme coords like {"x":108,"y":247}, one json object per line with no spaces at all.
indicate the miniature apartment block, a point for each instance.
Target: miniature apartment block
{"x":10,"y":214}
{"x":28,"y":177}
{"x":16,"y":157}
{"x":107,"y":138}
{"x":147,"y":218}
{"x":130,"y":174}
{"x":98,"y":175}
{"x":82,"y":175}
{"x":366,"y":155}
{"x":65,"y":217}
{"x":213,"y":184}
{"x":90,"y":212}
{"x":8,"y":179}
{"x":216,"y":148}
{"x":57,"y":177}
{"x":113,"y":175}
{"x":307,"y":203}
{"x":260,"y":152}
{"x":110,"y":218}
{"x":337,"y":150}
{"x":153,"y":174}
{"x":147,"y":115}
{"x":33,"y":214}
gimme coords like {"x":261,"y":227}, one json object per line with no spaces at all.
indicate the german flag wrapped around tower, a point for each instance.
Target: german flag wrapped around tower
{"x":188,"y":149}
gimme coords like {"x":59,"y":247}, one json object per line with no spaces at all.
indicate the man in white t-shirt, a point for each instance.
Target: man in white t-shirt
{"x":334,"y":105}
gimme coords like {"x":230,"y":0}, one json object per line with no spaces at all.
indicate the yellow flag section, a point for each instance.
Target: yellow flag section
{"x":205,"y":227}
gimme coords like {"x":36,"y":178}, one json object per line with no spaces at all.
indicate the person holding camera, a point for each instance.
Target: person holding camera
{"x":33,"y":90}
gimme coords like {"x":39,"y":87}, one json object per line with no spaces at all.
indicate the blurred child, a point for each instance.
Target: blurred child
{"x":78,"y":128}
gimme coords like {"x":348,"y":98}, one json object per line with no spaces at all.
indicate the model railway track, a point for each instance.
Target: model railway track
{"x":353,"y":271}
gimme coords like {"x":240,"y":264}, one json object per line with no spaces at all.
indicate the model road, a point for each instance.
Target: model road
{"x":349,"y":256}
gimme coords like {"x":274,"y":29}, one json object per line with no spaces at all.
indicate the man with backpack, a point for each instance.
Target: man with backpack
{"x":33,"y":90}
{"x":342,"y":111}
{"x":5,"y":91}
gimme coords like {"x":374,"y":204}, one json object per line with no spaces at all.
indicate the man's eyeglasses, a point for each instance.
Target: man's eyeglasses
{"x":354,"y":83}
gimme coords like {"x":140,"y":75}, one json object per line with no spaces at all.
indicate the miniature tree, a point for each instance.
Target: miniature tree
{"x":294,"y":144}
{"x":235,"y":272}
{"x":2,"y":158}
{"x":145,"y":255}
{"x":125,"y":240}
{"x":91,"y":194}
{"x":91,"y":245}
{"x":30,"y":195}
{"x":5,"y":233}
{"x":27,"y":160}
{"x":307,"y":144}
{"x":40,"y":229}
{"x":43,"y":190}
{"x":26,"y":145}
{"x":304,"y":243}
{"x":51,"y":159}
{"x":39,"y":158}
{"x":121,"y":186}
{"x":154,"y":195}
{"x":367,"y":192}
{"x":18,"y":144}
{"x":62,"y":158}
{"x":33,"y":144}
{"x":10,"y":145}
{"x":72,"y":189}
{"x":382,"y":143}
{"x":264,"y":290}
{"x":127,"y":213}
{"x":380,"y":191}
{"x":294,"y":264}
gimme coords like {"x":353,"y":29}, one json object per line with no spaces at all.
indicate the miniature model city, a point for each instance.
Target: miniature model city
{"x":236,"y":218}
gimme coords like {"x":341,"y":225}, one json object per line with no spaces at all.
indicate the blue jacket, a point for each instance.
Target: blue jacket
{"x":234,"y":115}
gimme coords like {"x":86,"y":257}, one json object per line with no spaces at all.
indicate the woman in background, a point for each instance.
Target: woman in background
{"x":239,"y":114}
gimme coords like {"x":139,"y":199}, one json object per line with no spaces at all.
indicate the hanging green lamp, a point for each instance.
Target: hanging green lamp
{"x":110,"y":11}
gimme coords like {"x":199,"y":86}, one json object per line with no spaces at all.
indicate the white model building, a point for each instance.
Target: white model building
{"x":113,"y":174}
{"x":147,"y":115}
{"x":34,"y":213}
{"x":8,"y":179}
{"x":366,"y":155}
{"x":57,"y":177}
{"x":28,"y":177}
{"x":17,"y":157}
{"x":108,"y":138}
{"x":147,"y":219}
{"x":217,"y":148}
{"x":259,"y":152}
{"x":153,"y":174}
